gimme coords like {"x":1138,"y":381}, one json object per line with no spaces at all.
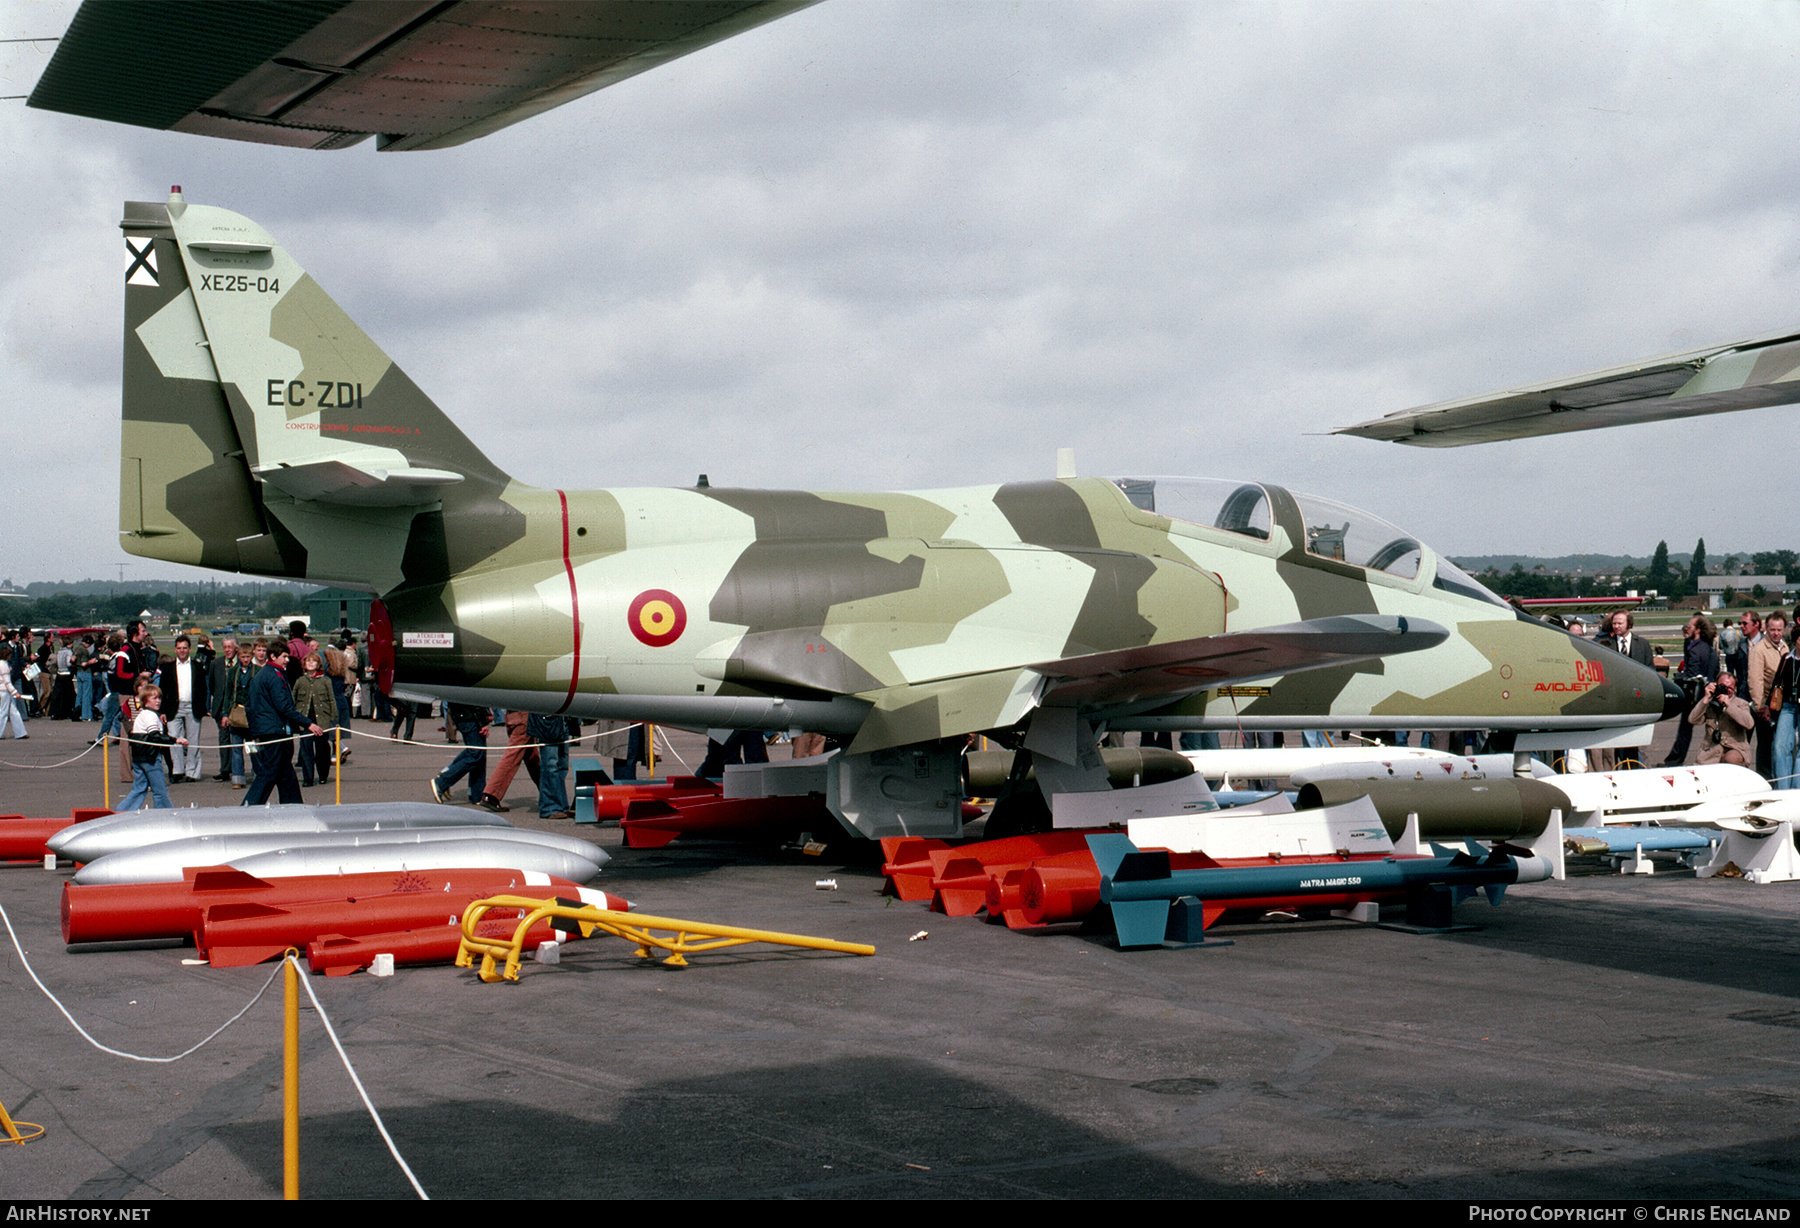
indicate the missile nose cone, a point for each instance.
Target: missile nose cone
{"x":1675,"y":703}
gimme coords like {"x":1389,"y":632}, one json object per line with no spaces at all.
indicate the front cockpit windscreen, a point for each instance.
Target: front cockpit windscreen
{"x":1453,"y":579}
{"x":1235,"y":507}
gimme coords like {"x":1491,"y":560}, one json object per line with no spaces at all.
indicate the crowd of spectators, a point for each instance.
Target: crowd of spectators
{"x":1741,"y":683}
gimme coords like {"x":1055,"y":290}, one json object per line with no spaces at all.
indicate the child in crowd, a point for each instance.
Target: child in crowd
{"x":147,"y":745}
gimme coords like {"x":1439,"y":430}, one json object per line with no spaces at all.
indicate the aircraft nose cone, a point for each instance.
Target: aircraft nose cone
{"x":1675,"y":704}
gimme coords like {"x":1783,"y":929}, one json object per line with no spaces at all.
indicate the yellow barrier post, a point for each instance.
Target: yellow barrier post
{"x":290,"y":1075}
{"x":106,"y":769}
{"x":337,"y":768}
{"x":12,"y":1129}
{"x":650,"y":750}
{"x":686,"y":937}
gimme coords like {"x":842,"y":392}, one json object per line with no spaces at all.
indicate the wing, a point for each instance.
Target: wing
{"x":1750,"y":374}
{"x":1105,"y":683}
{"x":1159,"y":673}
{"x":326,"y":75}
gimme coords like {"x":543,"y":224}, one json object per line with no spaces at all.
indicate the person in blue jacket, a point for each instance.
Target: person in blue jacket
{"x":272,"y":715}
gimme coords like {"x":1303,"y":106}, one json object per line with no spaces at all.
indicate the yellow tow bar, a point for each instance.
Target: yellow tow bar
{"x":681,"y":939}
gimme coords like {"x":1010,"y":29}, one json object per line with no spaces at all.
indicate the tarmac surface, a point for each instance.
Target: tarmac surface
{"x":1603,"y":1037}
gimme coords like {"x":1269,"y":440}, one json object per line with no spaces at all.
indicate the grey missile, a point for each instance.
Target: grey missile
{"x":98,"y":837}
{"x":163,"y":863}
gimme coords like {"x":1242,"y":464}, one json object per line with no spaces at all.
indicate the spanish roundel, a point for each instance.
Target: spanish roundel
{"x":657,"y":617}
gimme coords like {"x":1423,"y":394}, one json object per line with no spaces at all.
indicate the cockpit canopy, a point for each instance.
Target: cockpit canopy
{"x":1333,"y":530}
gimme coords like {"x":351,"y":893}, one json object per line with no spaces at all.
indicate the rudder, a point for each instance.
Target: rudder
{"x":260,"y":422}
{"x":185,"y":493}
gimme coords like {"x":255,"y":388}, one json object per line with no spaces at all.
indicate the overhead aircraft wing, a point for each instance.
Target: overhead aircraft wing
{"x":1164,"y":672}
{"x":1750,"y":374}
{"x":325,"y":75}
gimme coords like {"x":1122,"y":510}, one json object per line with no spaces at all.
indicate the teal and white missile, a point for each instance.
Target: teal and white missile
{"x":1140,"y":886}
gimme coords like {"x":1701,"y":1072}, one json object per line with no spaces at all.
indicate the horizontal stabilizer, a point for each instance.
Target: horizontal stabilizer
{"x":1751,"y":374}
{"x":357,"y":485}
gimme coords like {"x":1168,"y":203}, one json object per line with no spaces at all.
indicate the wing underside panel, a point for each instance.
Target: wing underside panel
{"x":1752,"y":374}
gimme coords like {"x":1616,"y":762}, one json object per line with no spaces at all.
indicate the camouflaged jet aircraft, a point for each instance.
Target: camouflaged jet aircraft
{"x":265,"y":433}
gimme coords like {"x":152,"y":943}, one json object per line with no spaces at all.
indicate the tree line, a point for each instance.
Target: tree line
{"x":203,"y":605}
{"x":1671,"y":578}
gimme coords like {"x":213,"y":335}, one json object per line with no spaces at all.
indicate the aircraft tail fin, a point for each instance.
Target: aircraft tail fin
{"x":252,"y":403}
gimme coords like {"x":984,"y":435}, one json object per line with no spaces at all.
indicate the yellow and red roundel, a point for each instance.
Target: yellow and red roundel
{"x":657,"y":617}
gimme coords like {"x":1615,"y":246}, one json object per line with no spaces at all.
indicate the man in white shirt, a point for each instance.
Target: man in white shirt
{"x":184,"y":703}
{"x":1620,"y":637}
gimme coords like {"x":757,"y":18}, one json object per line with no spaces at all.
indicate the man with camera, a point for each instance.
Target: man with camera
{"x":1725,"y":722}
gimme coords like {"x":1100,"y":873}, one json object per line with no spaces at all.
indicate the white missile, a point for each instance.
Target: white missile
{"x":1753,"y":814}
{"x":1353,"y":828}
{"x":1447,"y":767}
{"x":1640,"y":793}
{"x":163,"y":863}
{"x":431,"y":855}
{"x":1280,"y":763}
{"x":97,"y":838}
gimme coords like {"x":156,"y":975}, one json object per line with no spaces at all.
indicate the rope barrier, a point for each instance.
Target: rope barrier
{"x":82,"y":754}
{"x":361,"y":1092}
{"x":306,"y":981}
{"x":87,"y":1036}
{"x":596,"y":735}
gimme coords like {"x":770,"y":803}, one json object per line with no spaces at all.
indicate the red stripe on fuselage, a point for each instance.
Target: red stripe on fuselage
{"x":574,"y":607}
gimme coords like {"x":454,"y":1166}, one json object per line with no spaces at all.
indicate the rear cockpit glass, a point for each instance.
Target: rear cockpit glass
{"x":1333,"y":530}
{"x":1338,"y":531}
{"x":1235,"y":507}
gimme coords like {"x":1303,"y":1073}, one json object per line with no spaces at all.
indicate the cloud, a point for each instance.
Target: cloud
{"x":891,"y":245}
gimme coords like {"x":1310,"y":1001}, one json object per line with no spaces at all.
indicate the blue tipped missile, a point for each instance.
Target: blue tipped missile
{"x":1140,"y":886}
{"x":96,"y":838}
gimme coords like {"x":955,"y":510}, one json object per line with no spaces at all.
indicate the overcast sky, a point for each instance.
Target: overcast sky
{"x":877,"y":246}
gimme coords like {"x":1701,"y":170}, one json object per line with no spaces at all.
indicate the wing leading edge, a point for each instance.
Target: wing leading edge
{"x":1751,"y":374}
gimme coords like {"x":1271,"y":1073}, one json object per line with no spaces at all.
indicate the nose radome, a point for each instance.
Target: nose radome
{"x":1674,"y":701}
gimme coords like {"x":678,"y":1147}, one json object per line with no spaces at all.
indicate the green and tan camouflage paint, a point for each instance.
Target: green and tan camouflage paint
{"x":265,"y":433}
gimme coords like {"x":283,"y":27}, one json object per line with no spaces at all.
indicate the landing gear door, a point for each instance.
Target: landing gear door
{"x":913,"y":790}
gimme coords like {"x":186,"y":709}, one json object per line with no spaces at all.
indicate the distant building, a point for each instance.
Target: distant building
{"x":1713,"y":587}
{"x":332,"y":608}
